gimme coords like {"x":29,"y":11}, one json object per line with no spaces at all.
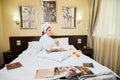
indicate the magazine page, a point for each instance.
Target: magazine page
{"x":75,"y":72}
{"x":52,"y":73}
{"x":69,"y":72}
{"x":85,"y":72}
{"x":44,"y":73}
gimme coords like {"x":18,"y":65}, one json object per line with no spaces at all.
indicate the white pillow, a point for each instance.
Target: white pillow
{"x":33,"y":44}
{"x":55,"y":56}
{"x":63,"y":41}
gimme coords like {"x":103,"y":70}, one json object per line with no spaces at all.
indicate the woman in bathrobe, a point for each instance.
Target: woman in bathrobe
{"x":46,"y":42}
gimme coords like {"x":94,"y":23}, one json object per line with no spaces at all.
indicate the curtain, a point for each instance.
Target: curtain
{"x":93,"y":14}
{"x":107,"y":35}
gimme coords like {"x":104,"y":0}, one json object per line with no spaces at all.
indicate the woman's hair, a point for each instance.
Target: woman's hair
{"x":46,"y":30}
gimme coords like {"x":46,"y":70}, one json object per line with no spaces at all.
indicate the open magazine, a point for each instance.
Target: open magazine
{"x":71,"y":72}
{"x":55,"y":50}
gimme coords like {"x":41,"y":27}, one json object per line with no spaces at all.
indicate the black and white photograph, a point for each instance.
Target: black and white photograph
{"x":28,"y":17}
{"x":68,"y":17}
{"x":48,"y":11}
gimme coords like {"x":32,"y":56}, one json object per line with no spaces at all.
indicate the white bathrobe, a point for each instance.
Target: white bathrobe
{"x":46,"y":42}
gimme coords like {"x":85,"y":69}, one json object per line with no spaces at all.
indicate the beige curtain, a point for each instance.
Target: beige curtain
{"x":107,"y":35}
{"x":107,"y":52}
{"x":93,"y":14}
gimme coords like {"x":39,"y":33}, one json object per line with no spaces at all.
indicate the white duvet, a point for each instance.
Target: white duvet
{"x":32,"y":61}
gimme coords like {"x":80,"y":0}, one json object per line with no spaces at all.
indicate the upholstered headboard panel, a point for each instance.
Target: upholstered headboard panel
{"x":73,"y":40}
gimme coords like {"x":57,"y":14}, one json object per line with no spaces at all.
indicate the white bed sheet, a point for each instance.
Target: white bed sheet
{"x":31,"y":62}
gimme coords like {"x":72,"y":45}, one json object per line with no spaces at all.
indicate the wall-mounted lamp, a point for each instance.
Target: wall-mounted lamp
{"x":16,"y":20}
{"x":79,"y":19}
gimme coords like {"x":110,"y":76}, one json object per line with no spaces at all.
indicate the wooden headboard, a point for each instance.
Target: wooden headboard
{"x":73,"y":40}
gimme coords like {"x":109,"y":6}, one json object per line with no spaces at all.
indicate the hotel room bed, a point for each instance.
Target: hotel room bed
{"x":32,"y":61}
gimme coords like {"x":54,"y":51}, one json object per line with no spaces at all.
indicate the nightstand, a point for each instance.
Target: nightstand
{"x":9,"y":56}
{"x":88,"y":52}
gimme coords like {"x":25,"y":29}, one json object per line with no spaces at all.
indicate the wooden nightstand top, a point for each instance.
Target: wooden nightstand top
{"x":88,"y":52}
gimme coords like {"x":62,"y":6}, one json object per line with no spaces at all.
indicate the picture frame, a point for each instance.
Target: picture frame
{"x":28,"y":17}
{"x":68,"y":17}
{"x":48,"y":8}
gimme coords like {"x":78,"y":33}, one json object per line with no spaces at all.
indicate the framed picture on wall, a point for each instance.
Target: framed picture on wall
{"x":68,"y":17}
{"x":48,"y":11}
{"x":28,"y":17}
